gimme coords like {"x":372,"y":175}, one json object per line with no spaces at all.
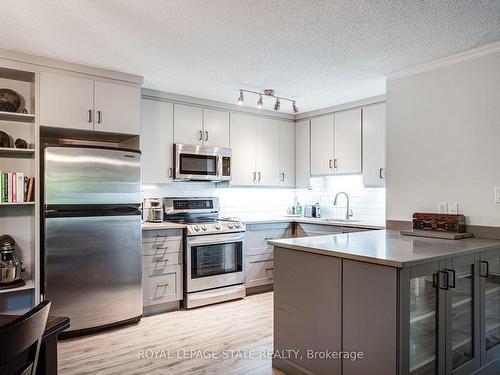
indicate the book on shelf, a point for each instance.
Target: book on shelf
{"x":15,"y":187}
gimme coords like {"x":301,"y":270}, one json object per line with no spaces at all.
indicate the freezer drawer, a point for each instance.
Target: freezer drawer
{"x":94,"y":269}
{"x":85,"y":175}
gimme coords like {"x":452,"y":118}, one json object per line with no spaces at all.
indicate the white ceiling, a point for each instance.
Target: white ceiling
{"x":322,"y":53}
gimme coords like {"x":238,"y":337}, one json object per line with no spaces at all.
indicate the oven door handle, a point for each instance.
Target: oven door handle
{"x":213,"y":240}
{"x":219,"y":166}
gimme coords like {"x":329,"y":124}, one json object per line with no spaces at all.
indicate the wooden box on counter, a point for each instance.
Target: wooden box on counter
{"x":439,"y":222}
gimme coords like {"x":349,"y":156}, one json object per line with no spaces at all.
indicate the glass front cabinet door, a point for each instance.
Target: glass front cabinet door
{"x":462,"y":298}
{"x":439,"y":310}
{"x":489,"y":275}
{"x":422,"y":303}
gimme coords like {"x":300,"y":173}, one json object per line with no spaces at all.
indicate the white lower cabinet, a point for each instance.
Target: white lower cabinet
{"x":259,"y":257}
{"x":162,"y":266}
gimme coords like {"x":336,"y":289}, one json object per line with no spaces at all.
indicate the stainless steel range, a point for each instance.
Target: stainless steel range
{"x":213,"y":257}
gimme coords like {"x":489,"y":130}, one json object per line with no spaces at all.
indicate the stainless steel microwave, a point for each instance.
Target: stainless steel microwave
{"x":202,"y":163}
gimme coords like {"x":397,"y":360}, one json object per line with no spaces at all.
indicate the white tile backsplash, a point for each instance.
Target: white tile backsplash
{"x":366,"y":203}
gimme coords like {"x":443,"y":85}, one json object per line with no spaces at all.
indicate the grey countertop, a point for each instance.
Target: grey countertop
{"x":386,"y":247}
{"x":278,"y":219}
{"x":164,"y":225}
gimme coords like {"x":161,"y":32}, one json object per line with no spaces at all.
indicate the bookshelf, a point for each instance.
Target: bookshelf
{"x":21,"y":219}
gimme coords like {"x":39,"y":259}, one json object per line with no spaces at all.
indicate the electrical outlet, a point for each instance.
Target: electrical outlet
{"x":453,"y":208}
{"x":497,"y":194}
{"x":443,"y":207}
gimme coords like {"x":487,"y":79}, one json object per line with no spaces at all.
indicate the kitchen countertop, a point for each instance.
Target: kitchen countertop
{"x":164,"y":225}
{"x":311,"y":220}
{"x":386,"y":247}
{"x":279,"y":219}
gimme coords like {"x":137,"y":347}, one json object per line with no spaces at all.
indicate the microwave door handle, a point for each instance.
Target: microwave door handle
{"x":219,"y":166}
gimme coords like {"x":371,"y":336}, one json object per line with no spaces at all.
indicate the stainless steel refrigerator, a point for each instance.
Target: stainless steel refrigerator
{"x":92,"y":235}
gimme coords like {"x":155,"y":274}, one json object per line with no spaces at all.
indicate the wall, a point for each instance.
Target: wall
{"x":366,"y":203}
{"x":443,"y":140}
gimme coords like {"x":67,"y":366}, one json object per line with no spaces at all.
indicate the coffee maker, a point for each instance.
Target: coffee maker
{"x":154,"y":210}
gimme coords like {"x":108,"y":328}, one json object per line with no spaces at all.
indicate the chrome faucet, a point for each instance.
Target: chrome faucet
{"x":348,"y":212}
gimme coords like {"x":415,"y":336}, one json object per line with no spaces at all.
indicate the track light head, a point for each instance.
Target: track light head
{"x":295,"y":108}
{"x":240,"y":98}
{"x":277,"y":105}
{"x":260,"y":103}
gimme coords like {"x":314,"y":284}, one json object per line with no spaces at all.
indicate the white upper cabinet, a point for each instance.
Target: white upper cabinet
{"x":201,"y":127}
{"x":336,"y":143}
{"x":287,"y":154}
{"x":322,"y":145}
{"x":188,"y":125}
{"x":374,"y":120}
{"x":117,"y":108}
{"x":303,"y":154}
{"x":76,"y":102}
{"x":347,"y":141}
{"x":66,"y":101}
{"x":215,"y":128}
{"x":268,"y":152}
{"x":157,"y":132}
{"x":242,"y":142}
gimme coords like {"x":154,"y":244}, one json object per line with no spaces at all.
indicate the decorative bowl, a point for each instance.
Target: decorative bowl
{"x":10,"y":101}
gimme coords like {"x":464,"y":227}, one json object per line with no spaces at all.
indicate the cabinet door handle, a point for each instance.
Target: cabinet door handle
{"x":99,"y":117}
{"x":330,"y":164}
{"x":381,"y":173}
{"x":90,"y":115}
{"x":270,"y":269}
{"x":259,"y":177}
{"x":434,"y":280}
{"x":158,"y":285}
{"x":454,"y":279}
{"x":160,"y":260}
{"x":268,"y":238}
{"x":447,"y":284}
{"x":200,"y":135}
{"x":487,"y":269}
{"x":170,"y":172}
{"x":282,"y":177}
{"x":335,"y":163}
{"x":206,"y":136}
{"x":254,"y":176}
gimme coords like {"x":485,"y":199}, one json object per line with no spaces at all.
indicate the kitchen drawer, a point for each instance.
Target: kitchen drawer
{"x":259,"y":270}
{"x":162,"y":245}
{"x":256,"y":237}
{"x":154,"y":236}
{"x":161,"y":259}
{"x":166,"y":287}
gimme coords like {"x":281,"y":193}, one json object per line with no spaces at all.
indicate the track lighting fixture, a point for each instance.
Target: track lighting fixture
{"x":260,"y":103}
{"x":268,"y":92}
{"x":277,"y":105}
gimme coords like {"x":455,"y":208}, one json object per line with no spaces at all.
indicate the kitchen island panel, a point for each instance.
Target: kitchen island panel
{"x":307,"y":311}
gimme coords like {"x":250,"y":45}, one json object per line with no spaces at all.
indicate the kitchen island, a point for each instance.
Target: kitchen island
{"x":378,"y":302}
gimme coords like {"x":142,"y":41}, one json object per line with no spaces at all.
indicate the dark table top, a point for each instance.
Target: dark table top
{"x":55,"y":324}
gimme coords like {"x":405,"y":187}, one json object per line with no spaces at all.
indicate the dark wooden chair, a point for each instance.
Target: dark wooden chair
{"x":20,"y":341}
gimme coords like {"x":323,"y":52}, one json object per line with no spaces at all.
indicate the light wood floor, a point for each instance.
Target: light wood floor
{"x":245,"y":326}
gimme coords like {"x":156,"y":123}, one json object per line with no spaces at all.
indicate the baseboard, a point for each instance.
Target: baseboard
{"x":161,"y":308}
{"x":260,"y":289}
{"x":290,"y":368}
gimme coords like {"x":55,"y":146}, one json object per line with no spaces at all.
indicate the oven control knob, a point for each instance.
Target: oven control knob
{"x":230,"y":226}
{"x":196,"y":228}
{"x":237,"y":225}
{"x":217,"y":226}
{"x":204,"y":227}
